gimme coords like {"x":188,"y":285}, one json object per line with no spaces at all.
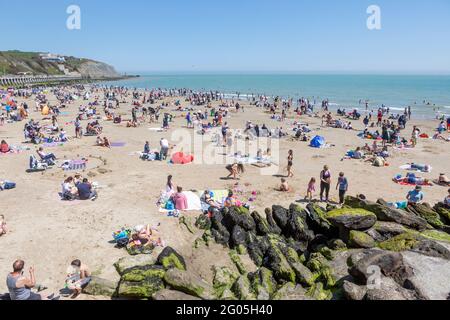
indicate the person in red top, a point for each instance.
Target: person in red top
{"x":180,"y":199}
{"x":4,"y":147}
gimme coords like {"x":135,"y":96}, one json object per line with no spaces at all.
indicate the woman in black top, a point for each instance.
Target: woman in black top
{"x":325,"y":183}
{"x":290,"y":164}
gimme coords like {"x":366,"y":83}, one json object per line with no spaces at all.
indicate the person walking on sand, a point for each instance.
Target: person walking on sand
{"x":325,"y":183}
{"x":290,"y":164}
{"x":342,"y":185}
{"x":311,"y":189}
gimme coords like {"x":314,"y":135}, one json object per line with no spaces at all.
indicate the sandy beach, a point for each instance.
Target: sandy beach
{"x":49,"y":233}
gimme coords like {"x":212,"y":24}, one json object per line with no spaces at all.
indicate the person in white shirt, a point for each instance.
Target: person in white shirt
{"x":164,"y":143}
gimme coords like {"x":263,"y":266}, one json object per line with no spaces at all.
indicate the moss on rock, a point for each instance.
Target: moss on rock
{"x":234,"y":256}
{"x":359,"y":239}
{"x":436,"y":235}
{"x":317,"y":292}
{"x":348,"y":212}
{"x":405,"y":241}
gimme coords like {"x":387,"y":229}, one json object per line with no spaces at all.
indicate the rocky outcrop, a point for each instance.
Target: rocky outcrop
{"x":362,"y":251}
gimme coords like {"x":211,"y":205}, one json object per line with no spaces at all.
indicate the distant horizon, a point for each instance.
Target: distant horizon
{"x":281,"y":72}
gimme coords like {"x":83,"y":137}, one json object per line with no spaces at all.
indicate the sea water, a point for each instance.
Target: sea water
{"x":428,"y":96}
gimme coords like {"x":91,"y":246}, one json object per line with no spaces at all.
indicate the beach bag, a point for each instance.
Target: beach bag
{"x":9,"y":185}
{"x":170,"y":205}
{"x":122,"y":243}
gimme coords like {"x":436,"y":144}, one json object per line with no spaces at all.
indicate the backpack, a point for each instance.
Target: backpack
{"x":170,"y":205}
{"x":122,"y":242}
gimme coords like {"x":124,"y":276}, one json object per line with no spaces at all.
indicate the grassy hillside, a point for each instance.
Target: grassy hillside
{"x":13,"y":62}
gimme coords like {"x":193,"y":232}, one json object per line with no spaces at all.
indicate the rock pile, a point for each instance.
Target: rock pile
{"x":364,"y":250}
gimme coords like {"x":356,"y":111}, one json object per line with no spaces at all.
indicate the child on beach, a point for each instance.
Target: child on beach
{"x":311,"y":189}
{"x":3,"y":228}
{"x":284,"y":187}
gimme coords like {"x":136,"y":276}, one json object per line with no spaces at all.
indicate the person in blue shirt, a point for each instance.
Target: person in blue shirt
{"x":415,"y":196}
{"x":342,"y":185}
{"x":147,"y":147}
{"x":85,"y":191}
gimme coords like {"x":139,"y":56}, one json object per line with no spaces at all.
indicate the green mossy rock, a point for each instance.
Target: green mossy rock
{"x":263,"y":284}
{"x":134,"y":261}
{"x":242,"y":289}
{"x":169,"y":259}
{"x":141,"y":282}
{"x":403,"y":242}
{"x":138,"y":274}
{"x":317,"y":292}
{"x":234,"y":256}
{"x":291,"y":292}
{"x":224,"y":279}
{"x":426,"y":212}
{"x":359,"y":239}
{"x":277,"y":262}
{"x":186,"y":221}
{"x":444,"y":212}
{"x":303,"y":275}
{"x":101,"y":287}
{"x":352,"y":219}
{"x":203,"y":222}
{"x":436,"y":235}
{"x":189,"y":283}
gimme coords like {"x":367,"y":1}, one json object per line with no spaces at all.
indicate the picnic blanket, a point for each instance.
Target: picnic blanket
{"x":251,"y":160}
{"x":193,"y":202}
{"x":118,"y":144}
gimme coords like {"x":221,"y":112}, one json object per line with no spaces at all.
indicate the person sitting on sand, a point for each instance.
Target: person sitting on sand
{"x":86,"y":191}
{"x":69,"y":191}
{"x":106,"y":143}
{"x":180,"y":200}
{"x":170,"y":186}
{"x":447,"y":200}
{"x":235,"y":170}
{"x":145,"y":236}
{"x":443,"y":180}
{"x":439,"y":136}
{"x":147,"y":147}
{"x":206,"y":198}
{"x":4,"y":147}
{"x":78,"y":277}
{"x":284,"y":187}
{"x":100,"y":141}
{"x":415,"y":196}
{"x":231,"y":200}
{"x":103,"y":142}
{"x":19,"y":286}
{"x":46,"y":156}
{"x":3,"y":227}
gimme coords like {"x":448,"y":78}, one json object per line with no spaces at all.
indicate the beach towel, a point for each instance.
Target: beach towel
{"x":156,"y":129}
{"x":53,"y":144}
{"x":251,"y":160}
{"x":74,"y":165}
{"x":408,"y":167}
{"x":406,"y":183}
{"x":193,"y":202}
{"x":118,"y":144}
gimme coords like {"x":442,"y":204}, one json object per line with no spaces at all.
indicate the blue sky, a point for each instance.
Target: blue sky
{"x":239,"y":35}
